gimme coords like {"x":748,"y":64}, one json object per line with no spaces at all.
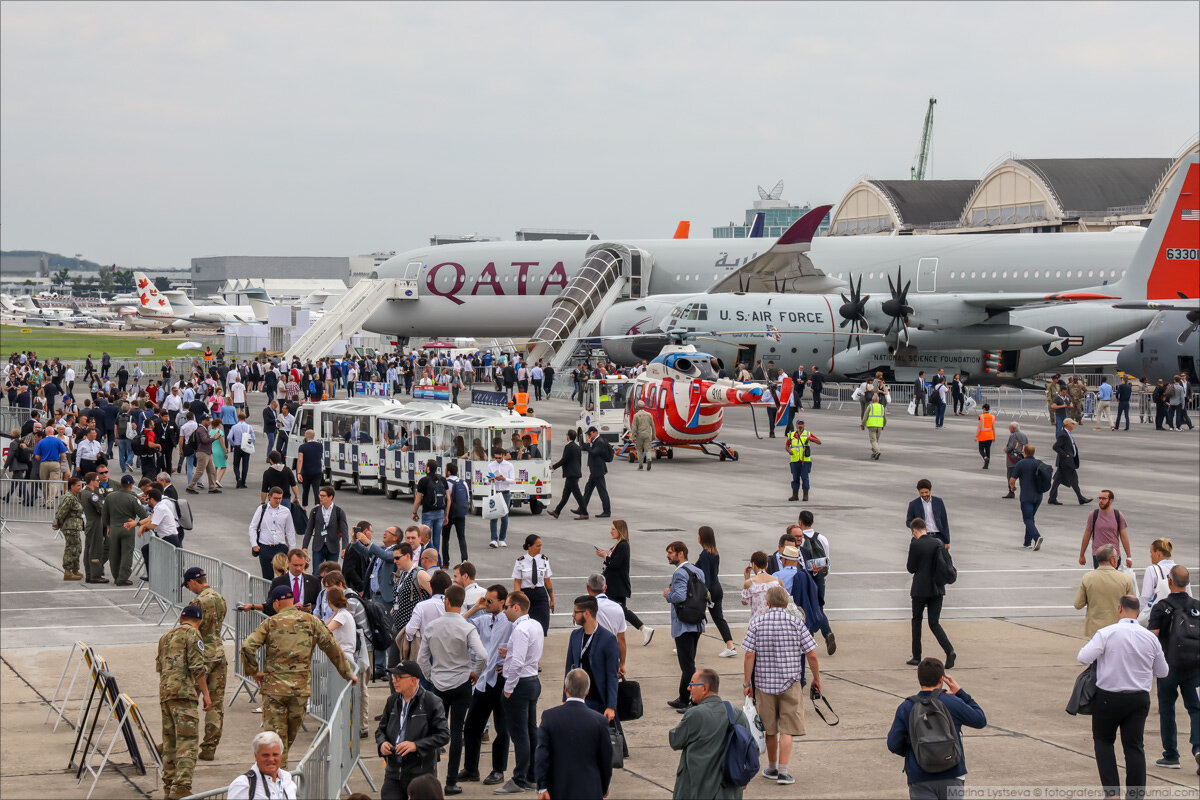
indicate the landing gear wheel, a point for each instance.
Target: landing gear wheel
{"x":671,"y":454}
{"x":721,"y":456}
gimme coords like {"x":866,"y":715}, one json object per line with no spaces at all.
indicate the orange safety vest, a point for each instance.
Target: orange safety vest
{"x":522,"y":404}
{"x":532,"y":433}
{"x":989,"y":428}
{"x":208,"y":355}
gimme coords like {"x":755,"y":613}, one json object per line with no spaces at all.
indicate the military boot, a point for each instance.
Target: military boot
{"x":805,"y":498}
{"x":795,"y":496}
{"x":68,"y":575}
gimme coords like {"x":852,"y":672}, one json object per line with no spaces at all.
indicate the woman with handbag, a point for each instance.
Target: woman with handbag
{"x":709,"y":562}
{"x":616,"y":576}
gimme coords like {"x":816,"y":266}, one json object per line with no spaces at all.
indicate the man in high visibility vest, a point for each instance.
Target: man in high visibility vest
{"x":985,"y":434}
{"x":800,"y":456}
{"x":873,"y":421}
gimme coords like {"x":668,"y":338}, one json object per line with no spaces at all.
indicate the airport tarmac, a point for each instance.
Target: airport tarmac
{"x":1010,"y":613}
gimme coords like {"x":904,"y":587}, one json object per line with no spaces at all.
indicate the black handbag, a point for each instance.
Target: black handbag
{"x":1083,"y":692}
{"x":618,"y":745}
{"x":629,"y":700}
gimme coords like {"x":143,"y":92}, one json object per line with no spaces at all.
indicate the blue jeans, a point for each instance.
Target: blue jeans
{"x":434,"y":520}
{"x":800,"y":470}
{"x":520,"y":715}
{"x":1187,"y":683}
{"x":1028,"y":510}
{"x":1122,"y":408}
{"x":1058,"y":424}
{"x":189,"y":466}
{"x":941,"y":414}
{"x":125,"y":454}
{"x":502,"y":520}
{"x":270,"y":442}
{"x":825,"y":629}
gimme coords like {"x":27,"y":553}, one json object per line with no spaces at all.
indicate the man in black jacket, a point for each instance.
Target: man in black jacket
{"x":328,"y":524}
{"x":1067,"y":464}
{"x":924,"y":553}
{"x":411,"y":730}
{"x":574,"y":753}
{"x":572,"y":471}
{"x":295,"y":577}
{"x":599,"y":454}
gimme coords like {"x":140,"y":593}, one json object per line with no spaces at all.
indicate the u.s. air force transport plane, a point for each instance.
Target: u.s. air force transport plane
{"x":993,"y":336}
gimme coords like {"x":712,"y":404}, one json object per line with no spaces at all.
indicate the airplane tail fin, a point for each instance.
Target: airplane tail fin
{"x":150,"y":300}
{"x":1167,"y":261}
{"x":756,"y":229}
{"x":681,"y":232}
{"x":179,"y":298}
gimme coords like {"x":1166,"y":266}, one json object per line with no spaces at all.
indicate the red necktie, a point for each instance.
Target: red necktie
{"x":296,"y":589}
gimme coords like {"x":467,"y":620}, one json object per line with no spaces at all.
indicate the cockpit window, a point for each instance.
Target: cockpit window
{"x":694,"y":312}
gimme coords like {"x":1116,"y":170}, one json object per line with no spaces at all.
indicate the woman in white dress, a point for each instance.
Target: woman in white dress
{"x":341,"y":624}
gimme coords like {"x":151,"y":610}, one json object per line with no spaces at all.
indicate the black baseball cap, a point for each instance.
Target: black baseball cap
{"x":409,"y":668}
{"x":280,"y":593}
{"x":127,"y":480}
{"x":194,"y":573}
{"x":192,"y":611}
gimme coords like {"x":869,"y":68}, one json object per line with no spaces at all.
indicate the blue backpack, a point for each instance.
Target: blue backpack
{"x":741,"y":753}
{"x":461,"y":497}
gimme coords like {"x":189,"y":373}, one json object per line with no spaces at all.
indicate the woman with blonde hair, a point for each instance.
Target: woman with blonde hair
{"x":1160,"y":564}
{"x":616,"y":576}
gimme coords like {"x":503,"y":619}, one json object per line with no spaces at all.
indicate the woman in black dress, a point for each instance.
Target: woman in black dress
{"x":709,"y":562}
{"x":616,"y":575}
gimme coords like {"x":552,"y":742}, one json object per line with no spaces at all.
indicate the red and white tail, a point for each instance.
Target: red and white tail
{"x":1167,"y":262}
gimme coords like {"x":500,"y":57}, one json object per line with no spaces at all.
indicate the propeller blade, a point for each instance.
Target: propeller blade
{"x":1183,"y":337}
{"x":844,"y":300}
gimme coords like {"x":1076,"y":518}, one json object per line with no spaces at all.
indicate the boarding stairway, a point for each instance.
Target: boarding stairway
{"x":346,"y":318}
{"x":609,"y":273}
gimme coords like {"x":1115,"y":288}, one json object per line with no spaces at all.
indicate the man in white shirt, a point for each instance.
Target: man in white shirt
{"x":1128,"y":657}
{"x":87,"y":453}
{"x":521,"y":689}
{"x":238,"y":390}
{"x":239,"y":431}
{"x":161,"y":520}
{"x":609,"y":615}
{"x":808,"y":541}
{"x":265,"y":779}
{"x":487,"y":701}
{"x":452,"y":648}
{"x":425,"y":612}
{"x":185,"y":433}
{"x":501,"y":475}
{"x":69,"y":380}
{"x":173,"y":402}
{"x":464,"y":576}
{"x":271,"y":531}
{"x":283,"y":427}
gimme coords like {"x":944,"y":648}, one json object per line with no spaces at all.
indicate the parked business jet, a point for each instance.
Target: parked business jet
{"x":175,"y":307}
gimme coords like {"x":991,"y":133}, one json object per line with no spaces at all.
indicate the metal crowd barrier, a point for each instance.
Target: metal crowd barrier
{"x":211,"y":794}
{"x":13,"y":417}
{"x":244,"y":624}
{"x":324,"y":681}
{"x":25,"y":500}
{"x":326,"y":769}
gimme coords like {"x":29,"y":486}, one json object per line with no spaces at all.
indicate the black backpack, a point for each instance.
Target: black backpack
{"x":141,"y":443}
{"x":944,"y":572}
{"x":1183,"y":637}
{"x":692,"y":609}
{"x":932,"y":735}
{"x":811,"y":548}
{"x":379,"y":622}
{"x":436,"y":499}
{"x":1043,"y":477}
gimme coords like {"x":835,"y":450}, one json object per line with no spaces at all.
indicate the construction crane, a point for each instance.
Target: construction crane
{"x":918,"y":172}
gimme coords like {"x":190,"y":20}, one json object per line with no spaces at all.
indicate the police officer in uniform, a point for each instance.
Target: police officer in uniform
{"x":531,"y":575}
{"x":93,"y":534}
{"x":68,"y":519}
{"x":182,"y":667}
{"x":800,"y":456}
{"x":873,"y":421}
{"x":642,"y":429}
{"x":212,"y":604}
{"x":290,"y":636}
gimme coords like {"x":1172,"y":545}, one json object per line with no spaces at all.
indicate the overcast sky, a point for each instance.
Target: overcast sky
{"x":150,"y":133}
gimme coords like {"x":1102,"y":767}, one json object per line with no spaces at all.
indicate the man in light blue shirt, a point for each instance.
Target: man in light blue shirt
{"x":788,"y":558}
{"x":487,"y":615}
{"x":686,"y":635}
{"x":1104,"y":396}
{"x":239,"y":432}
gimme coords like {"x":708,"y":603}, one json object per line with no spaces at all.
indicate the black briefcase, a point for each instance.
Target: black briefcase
{"x":629,"y":700}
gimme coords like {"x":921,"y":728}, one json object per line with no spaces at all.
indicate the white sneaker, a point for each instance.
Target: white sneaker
{"x":728,"y":652}
{"x":503,"y":543}
{"x":493,"y":544}
{"x":647,"y":635}
{"x":674,"y":651}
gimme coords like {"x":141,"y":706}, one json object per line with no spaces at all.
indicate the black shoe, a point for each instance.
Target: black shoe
{"x":191,"y":491}
{"x":605,"y":515}
{"x":1008,"y":496}
{"x":1053,"y":503}
{"x":678,"y":703}
{"x":912,"y":662}
{"x":950,"y":659}
{"x":1083,"y":501}
{"x":467,"y":777}
{"x":377,"y":719}
{"x":493,"y":778}
{"x":452,"y":788}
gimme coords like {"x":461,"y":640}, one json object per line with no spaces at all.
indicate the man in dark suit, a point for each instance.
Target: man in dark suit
{"x":572,"y":471}
{"x":816,"y":382}
{"x":411,"y":730}
{"x":356,"y":565}
{"x":270,"y":424}
{"x":924,"y":553}
{"x":594,"y":650}
{"x":305,"y":586}
{"x":599,"y":454}
{"x":327,"y":523}
{"x":931,"y":510}
{"x":1067,"y":463}
{"x":799,"y":381}
{"x":574,"y":754}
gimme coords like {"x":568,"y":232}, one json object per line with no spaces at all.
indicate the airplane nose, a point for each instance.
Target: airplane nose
{"x":1129,"y":361}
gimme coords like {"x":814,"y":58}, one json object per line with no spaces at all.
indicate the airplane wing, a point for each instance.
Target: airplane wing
{"x":1000,"y":302}
{"x":784,"y":265}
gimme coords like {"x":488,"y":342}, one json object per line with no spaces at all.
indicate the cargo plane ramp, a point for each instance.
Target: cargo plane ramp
{"x":346,"y":318}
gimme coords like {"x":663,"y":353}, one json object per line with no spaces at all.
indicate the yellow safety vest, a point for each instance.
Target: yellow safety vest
{"x":875,"y":414}
{"x":796,"y":445}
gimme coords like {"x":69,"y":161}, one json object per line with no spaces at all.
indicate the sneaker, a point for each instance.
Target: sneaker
{"x":1037,"y":545}
{"x":785,"y":779}
{"x":503,"y":543}
{"x":647,"y":635}
{"x":1026,"y":547}
{"x":770,"y":774}
{"x":512,"y":787}
{"x":728,"y":652}
{"x":493,"y":544}
{"x":1166,"y":763}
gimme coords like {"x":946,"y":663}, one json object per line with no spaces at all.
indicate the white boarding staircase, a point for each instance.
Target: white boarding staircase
{"x":346,"y":318}
{"x":578,"y":311}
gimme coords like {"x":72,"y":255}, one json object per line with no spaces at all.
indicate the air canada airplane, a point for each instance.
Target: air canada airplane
{"x":178,"y":311}
{"x":994,"y":336}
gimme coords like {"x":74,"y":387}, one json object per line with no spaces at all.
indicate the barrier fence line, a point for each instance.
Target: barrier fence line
{"x":29,"y":500}
{"x":244,"y":624}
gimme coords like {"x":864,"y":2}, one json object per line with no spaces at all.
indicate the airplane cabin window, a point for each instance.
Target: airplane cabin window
{"x":1122,"y":273}
{"x":1036,"y":274}
{"x":1026,"y":275}
{"x":972,"y":274}
{"x":994,"y":275}
{"x":1091,"y":273}
{"x":1004,"y":274}
{"x":1058,"y":273}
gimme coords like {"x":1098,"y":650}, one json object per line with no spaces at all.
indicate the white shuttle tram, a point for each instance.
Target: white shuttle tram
{"x":605,"y":402}
{"x":412,"y":440}
{"x":350,"y":440}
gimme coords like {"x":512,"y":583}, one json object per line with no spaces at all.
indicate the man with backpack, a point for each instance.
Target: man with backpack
{"x":1105,"y":525}
{"x":929,"y":563}
{"x":814,"y":549}
{"x":776,"y":646}
{"x":1034,"y":478}
{"x":712,"y":737}
{"x":688,"y":597}
{"x":1175,"y":620}
{"x":927,"y":732}
{"x":457,"y":508}
{"x":430,"y":502}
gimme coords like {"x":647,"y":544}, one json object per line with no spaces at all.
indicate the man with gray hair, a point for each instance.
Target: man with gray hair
{"x":1101,"y":590}
{"x":1170,"y":617}
{"x":265,"y":779}
{"x":641,"y":427}
{"x":609,"y":614}
{"x":1013,"y":452}
{"x":574,"y":752}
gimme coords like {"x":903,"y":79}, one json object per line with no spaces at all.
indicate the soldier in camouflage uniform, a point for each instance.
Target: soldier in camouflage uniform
{"x":69,"y":519}
{"x":213,"y":605}
{"x":290,"y":637}
{"x":1051,"y":397}
{"x":93,"y":538}
{"x":1076,"y":390}
{"x":182,"y":666}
